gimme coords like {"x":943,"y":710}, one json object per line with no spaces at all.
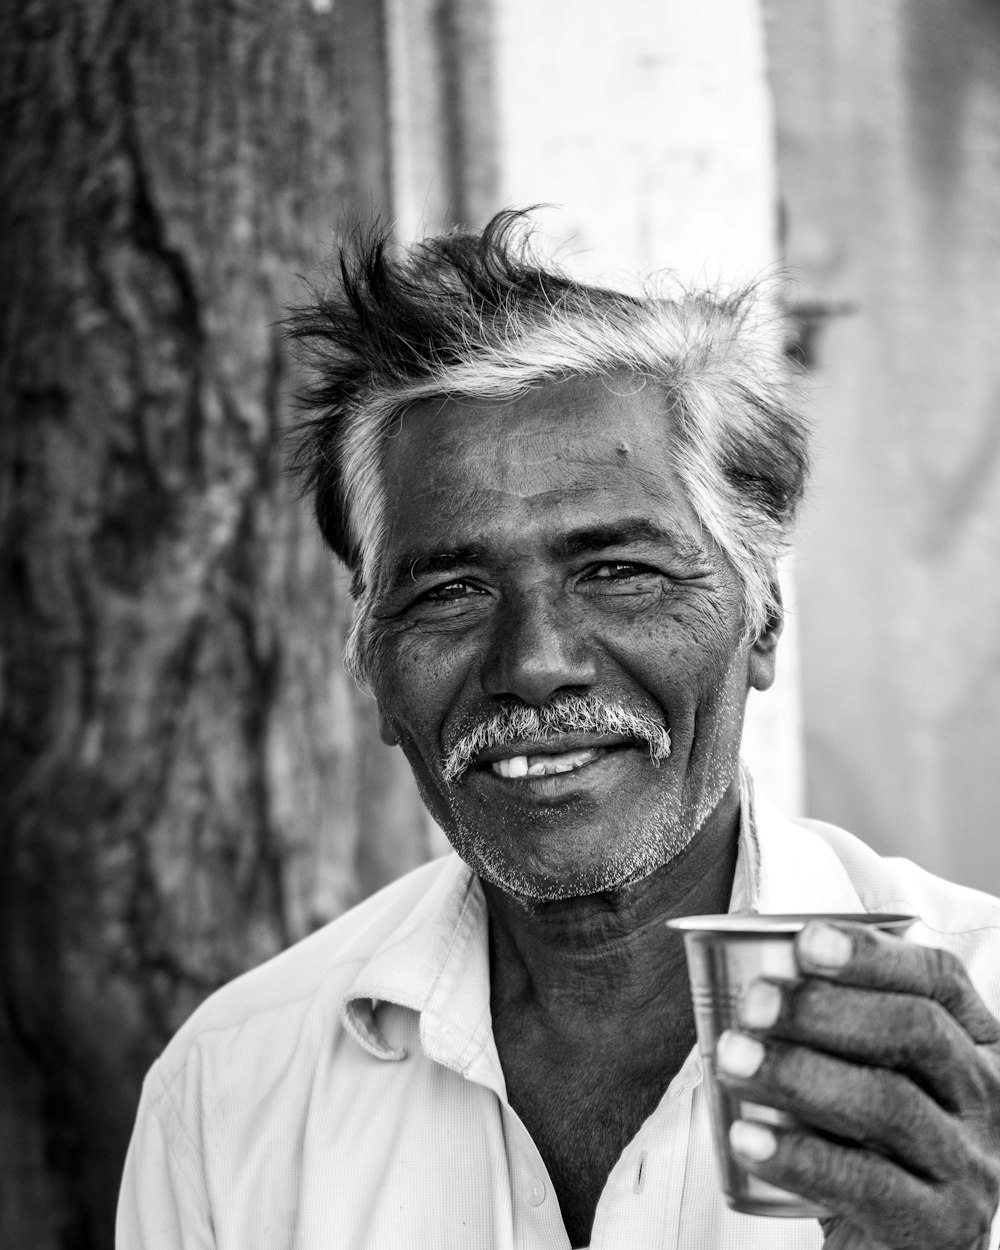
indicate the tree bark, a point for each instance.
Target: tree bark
{"x":180,"y":748}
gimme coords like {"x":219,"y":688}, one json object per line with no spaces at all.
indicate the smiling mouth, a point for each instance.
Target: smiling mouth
{"x":517,"y":766}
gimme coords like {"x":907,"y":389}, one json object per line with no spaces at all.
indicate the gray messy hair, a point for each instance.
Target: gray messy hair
{"x":481,"y":316}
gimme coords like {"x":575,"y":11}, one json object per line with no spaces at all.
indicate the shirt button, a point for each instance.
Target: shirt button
{"x":535,"y":1192}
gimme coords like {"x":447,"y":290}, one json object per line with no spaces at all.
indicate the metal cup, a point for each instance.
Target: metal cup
{"x":724,"y":954}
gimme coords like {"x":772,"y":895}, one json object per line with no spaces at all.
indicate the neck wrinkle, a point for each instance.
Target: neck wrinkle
{"x":609,"y":952}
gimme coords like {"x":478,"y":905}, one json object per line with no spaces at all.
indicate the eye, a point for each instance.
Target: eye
{"x":622,"y":577}
{"x":619,"y":570}
{"x":449,"y":592}
{"x":622,"y":571}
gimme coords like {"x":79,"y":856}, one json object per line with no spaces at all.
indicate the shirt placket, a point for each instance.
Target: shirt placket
{"x":537,"y":1220}
{"x":642,"y":1201}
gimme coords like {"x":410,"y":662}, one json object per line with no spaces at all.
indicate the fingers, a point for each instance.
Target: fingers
{"x":888,"y":1063}
{"x":895,"y":1208}
{"x":871,"y":1107}
{"x":862,"y":956}
{"x":911,"y":1034}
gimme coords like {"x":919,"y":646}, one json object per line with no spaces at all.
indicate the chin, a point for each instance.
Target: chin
{"x":540,"y":883}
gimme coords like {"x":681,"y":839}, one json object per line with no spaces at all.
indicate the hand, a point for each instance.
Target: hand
{"x":888,"y":1059}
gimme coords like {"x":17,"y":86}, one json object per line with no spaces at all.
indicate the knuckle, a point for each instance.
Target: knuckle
{"x":968,"y":1202}
{"x":980,"y":1092}
{"x":988,"y":1174}
{"x":929,"y":1032}
{"x":805,"y":1160}
{"x":947,"y":972}
{"x":870,"y":1187}
{"x":954,"y":1222}
{"x":987,"y":1168}
{"x":976,"y":1215}
{"x":890,"y":1114}
{"x":894,"y":1108}
{"x":814,"y":1009}
{"x":880,"y":1197}
{"x":787,"y":1069}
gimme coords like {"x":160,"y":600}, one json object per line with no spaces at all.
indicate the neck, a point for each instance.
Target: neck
{"x":610,"y":955}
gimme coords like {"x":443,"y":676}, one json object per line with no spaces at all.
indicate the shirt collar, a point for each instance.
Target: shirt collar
{"x":437,"y":964}
{"x":437,"y":961}
{"x":784,"y":866}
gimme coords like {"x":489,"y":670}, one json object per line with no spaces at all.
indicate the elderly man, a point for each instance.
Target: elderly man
{"x":562,"y":507}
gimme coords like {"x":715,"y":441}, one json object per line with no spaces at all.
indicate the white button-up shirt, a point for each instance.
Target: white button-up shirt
{"x":348,"y":1093}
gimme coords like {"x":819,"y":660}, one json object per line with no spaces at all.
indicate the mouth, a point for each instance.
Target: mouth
{"x":548,"y":758}
{"x":546,"y":765}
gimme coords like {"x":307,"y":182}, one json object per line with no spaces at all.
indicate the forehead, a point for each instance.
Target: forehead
{"x":583,"y":449}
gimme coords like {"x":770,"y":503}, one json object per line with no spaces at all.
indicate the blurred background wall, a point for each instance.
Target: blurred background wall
{"x":189,"y":782}
{"x":888,"y":123}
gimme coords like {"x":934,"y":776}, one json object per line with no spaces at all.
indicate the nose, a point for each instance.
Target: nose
{"x":537,"y":648}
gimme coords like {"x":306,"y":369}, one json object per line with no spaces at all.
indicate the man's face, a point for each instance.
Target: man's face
{"x":538,"y":550}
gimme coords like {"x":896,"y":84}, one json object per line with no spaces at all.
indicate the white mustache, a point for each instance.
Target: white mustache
{"x":522,"y":723}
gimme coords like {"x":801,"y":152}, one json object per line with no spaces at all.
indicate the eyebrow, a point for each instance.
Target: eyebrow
{"x":620,"y":534}
{"x":411,"y":565}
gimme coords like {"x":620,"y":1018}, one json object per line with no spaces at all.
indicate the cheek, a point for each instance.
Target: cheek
{"x":697,"y":674}
{"x":682,"y":660}
{"x":416,"y":685}
{"x":719,"y":716}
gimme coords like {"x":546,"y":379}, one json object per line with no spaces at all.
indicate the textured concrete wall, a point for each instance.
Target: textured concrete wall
{"x":648,"y":122}
{"x":889,"y":125}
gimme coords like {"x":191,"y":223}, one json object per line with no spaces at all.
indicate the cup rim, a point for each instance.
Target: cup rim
{"x":757,"y":923}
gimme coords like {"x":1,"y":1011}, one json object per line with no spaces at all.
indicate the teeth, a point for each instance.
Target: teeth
{"x":544,"y":765}
{"x":516,"y":766}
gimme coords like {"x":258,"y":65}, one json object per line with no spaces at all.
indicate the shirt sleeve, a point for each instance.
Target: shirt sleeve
{"x":163,"y":1203}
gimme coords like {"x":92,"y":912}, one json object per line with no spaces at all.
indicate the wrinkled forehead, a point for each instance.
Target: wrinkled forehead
{"x":556,"y":427}
{"x":569,"y":457}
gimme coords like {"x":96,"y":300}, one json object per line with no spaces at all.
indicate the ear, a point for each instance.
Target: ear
{"x":763,"y":650}
{"x":386,"y":731}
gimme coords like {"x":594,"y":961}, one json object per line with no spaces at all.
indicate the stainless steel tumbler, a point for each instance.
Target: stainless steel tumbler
{"x":724,"y":954}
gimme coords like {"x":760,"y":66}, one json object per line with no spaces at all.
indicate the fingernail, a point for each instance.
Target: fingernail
{"x":754,"y":1141}
{"x":824,"y":946}
{"x":738,"y":1054}
{"x":760,"y":1005}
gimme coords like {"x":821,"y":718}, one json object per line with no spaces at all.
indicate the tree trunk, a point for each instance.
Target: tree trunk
{"x":180,"y":748}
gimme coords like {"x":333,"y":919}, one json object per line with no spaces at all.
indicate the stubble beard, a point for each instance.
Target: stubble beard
{"x":655,"y":838}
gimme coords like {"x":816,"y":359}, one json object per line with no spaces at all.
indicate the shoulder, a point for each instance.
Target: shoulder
{"x":813,"y":866}
{"x":953,"y":917}
{"x":221,"y":1125}
{"x":293,"y":1000}
{"x":889,"y":883}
